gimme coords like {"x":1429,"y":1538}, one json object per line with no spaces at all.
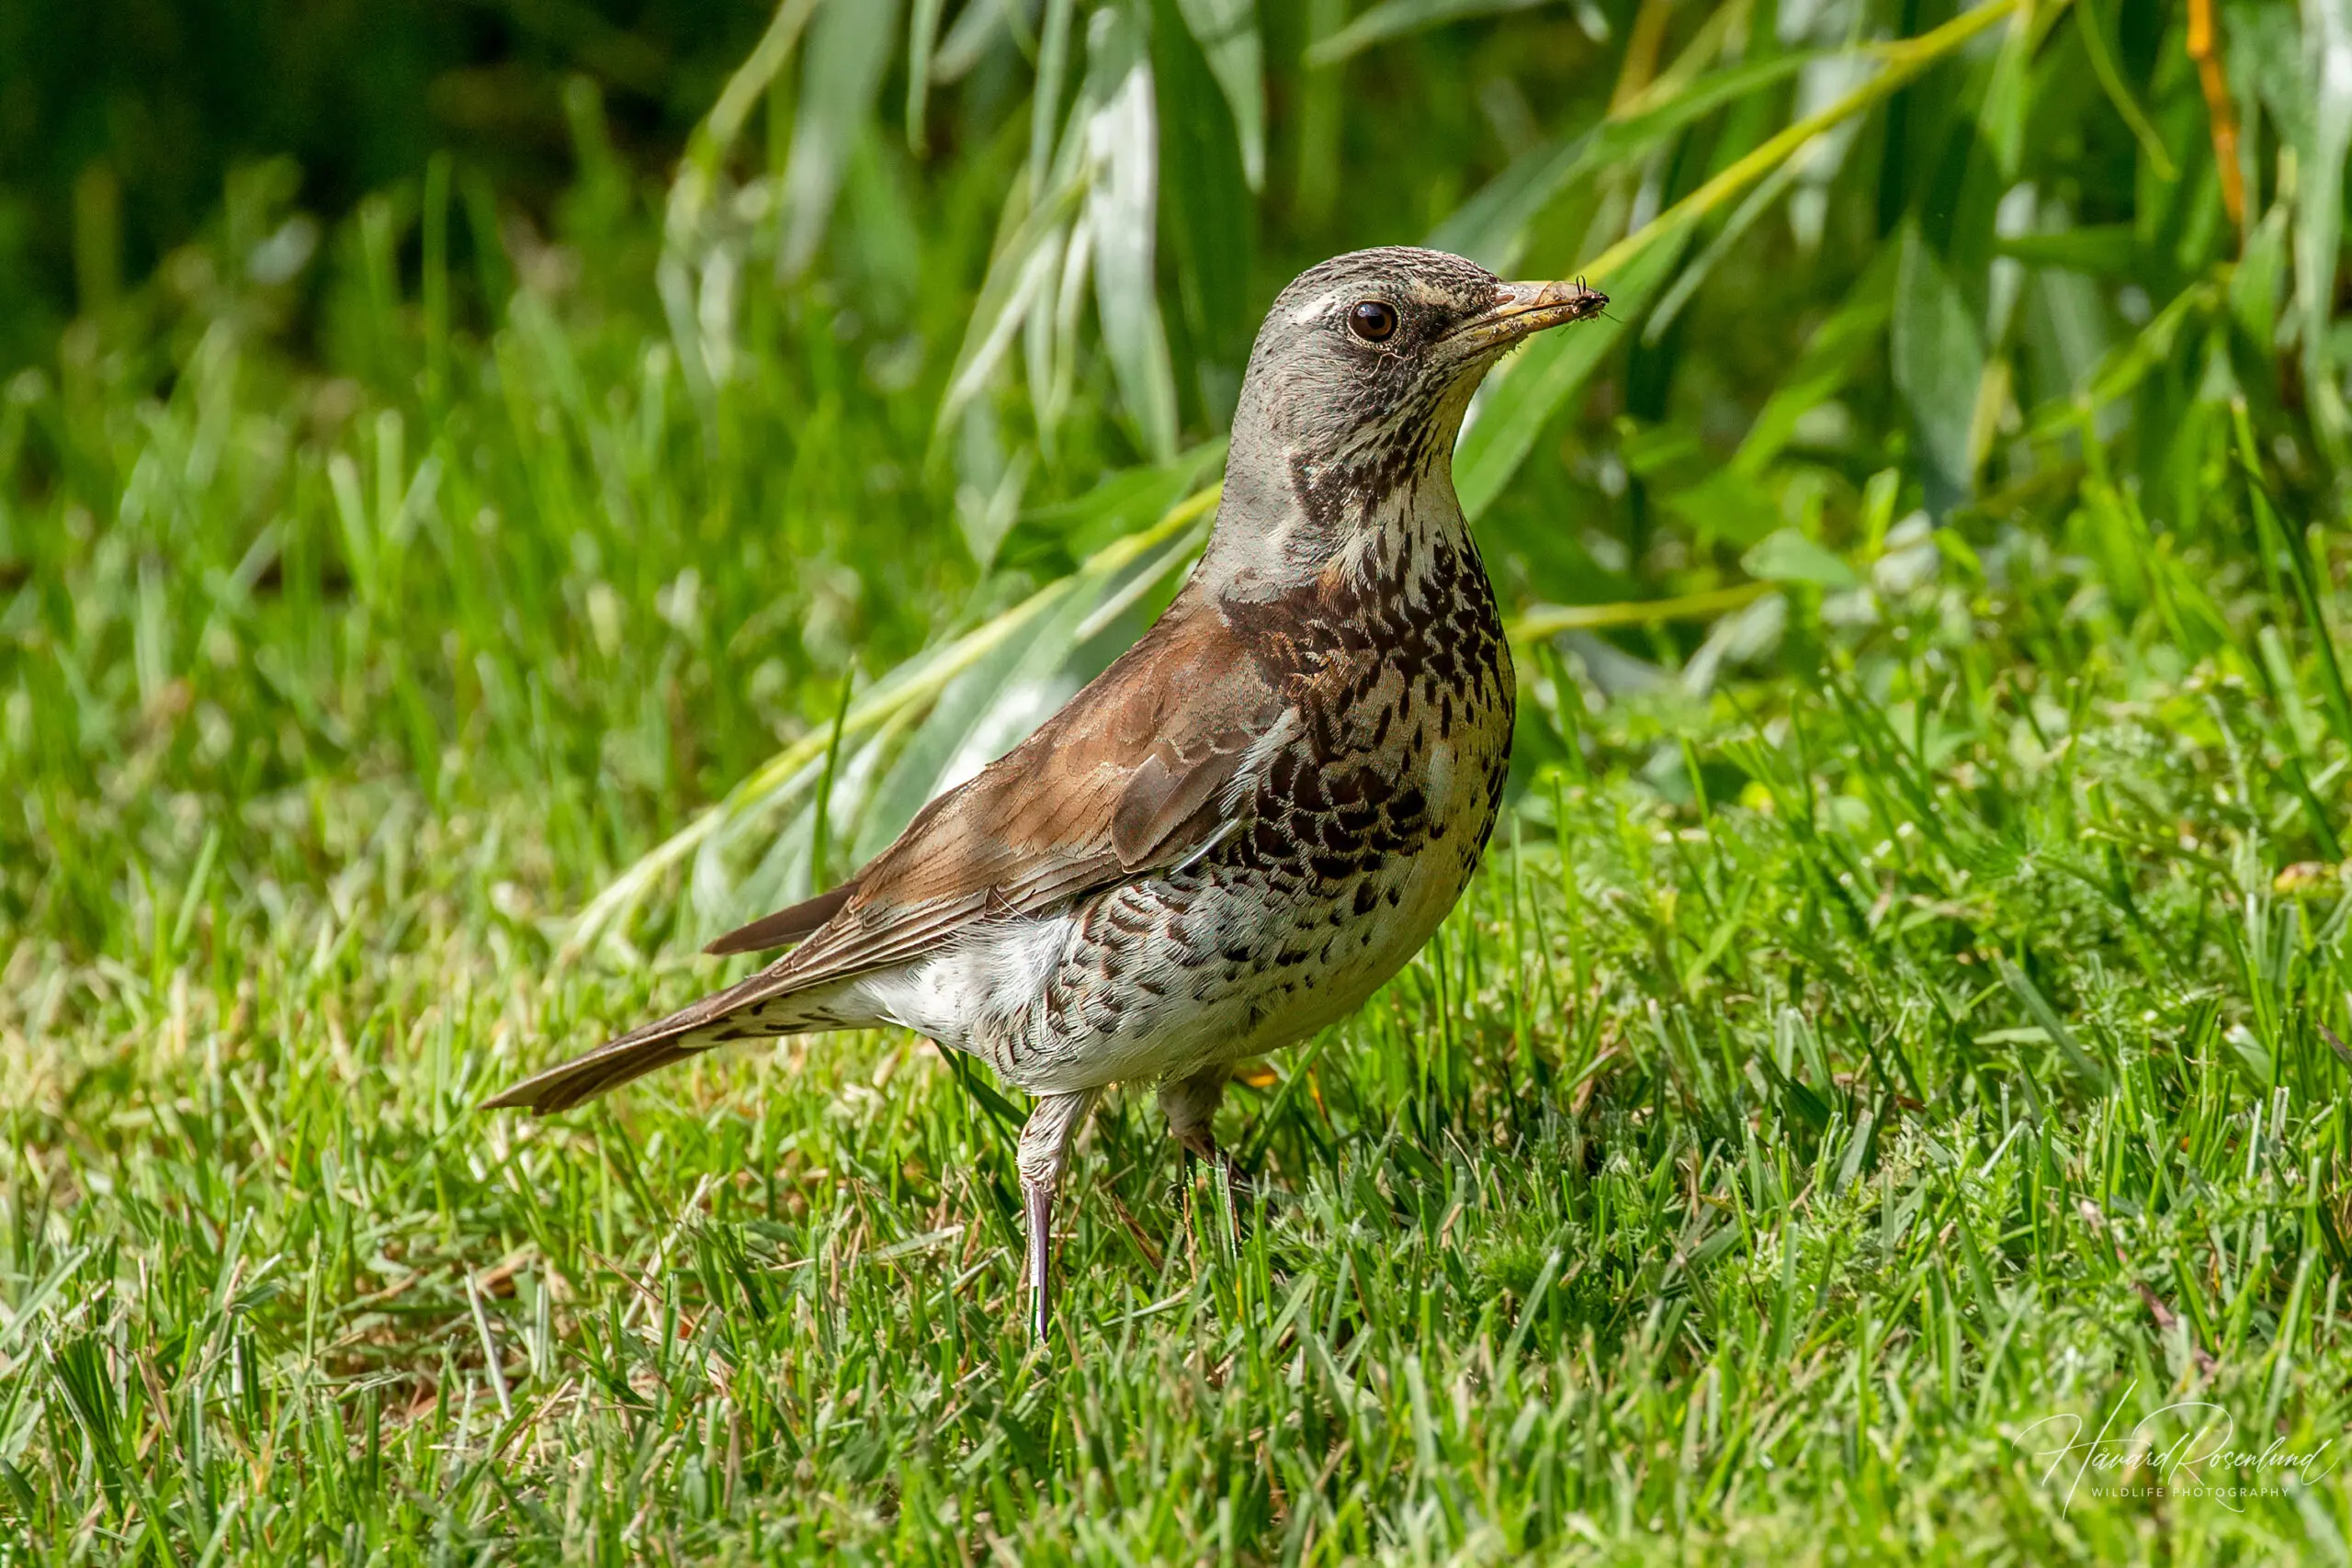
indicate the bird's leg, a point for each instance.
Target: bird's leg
{"x":1190,"y":1104}
{"x":1045,"y":1153}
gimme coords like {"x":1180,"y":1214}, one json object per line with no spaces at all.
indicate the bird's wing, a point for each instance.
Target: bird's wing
{"x":1128,"y":778}
{"x":785,"y":926}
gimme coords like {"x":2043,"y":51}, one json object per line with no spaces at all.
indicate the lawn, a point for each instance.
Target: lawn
{"x":1895,"y":1044}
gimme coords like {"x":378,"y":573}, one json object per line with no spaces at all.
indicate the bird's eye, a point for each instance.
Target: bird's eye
{"x":1372,"y":321}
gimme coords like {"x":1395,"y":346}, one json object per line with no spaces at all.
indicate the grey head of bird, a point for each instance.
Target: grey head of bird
{"x":1353,"y":398}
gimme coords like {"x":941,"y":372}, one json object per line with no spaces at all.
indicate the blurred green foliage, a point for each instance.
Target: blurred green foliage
{"x":460,"y":466}
{"x":119,"y":123}
{"x":932,"y":304}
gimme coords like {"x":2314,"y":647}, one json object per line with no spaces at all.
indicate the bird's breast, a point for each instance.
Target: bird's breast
{"x":1356,"y":824}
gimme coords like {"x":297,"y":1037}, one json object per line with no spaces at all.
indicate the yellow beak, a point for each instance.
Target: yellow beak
{"x":1528,"y":307}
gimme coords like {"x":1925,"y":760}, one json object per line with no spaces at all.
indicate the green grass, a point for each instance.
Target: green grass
{"x":1900,"y":1013}
{"x":1823,"y":1084}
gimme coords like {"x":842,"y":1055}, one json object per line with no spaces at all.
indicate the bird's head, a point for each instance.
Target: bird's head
{"x":1357,"y":385}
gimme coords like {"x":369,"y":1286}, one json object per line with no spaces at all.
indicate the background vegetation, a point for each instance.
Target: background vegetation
{"x":488,"y":494}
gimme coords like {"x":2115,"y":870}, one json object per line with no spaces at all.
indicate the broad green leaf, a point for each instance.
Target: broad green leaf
{"x":1045,"y":97}
{"x":1315,"y":115}
{"x":2258,"y":283}
{"x":1693,"y":276}
{"x":1227,"y":31}
{"x":2265,"y":54}
{"x":849,"y":48}
{"x":2319,"y":221}
{"x":879,"y":785}
{"x":1022,"y":272}
{"x":1122,"y":202}
{"x":1937,"y":354}
{"x":783,"y":869}
{"x":1008,"y":682}
{"x":922,"y":41}
{"x":1488,"y":228}
{"x":1210,"y":221}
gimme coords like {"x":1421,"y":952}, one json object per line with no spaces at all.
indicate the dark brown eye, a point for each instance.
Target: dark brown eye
{"x":1371,"y":321}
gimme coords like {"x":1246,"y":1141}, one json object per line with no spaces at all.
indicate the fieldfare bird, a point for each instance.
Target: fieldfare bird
{"x":1247,"y":822}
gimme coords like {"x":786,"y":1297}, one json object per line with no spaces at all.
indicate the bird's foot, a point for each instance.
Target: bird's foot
{"x":1037,"y":1214}
{"x":1044,"y":1150}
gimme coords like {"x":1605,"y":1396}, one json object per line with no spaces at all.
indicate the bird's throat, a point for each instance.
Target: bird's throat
{"x":1364,"y":516}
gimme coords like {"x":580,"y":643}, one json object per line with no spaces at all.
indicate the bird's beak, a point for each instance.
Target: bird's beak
{"x":1526,"y":309}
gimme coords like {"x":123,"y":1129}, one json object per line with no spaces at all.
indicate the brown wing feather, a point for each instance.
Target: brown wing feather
{"x":1124,"y":779}
{"x":1129,"y":777}
{"x":785,"y":926}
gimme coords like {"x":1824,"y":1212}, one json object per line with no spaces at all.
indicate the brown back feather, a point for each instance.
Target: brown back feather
{"x":1128,"y":778}
{"x":1125,"y":779}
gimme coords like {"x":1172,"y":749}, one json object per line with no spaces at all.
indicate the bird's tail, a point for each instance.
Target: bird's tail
{"x":584,"y":1078}
{"x":761,"y":1008}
